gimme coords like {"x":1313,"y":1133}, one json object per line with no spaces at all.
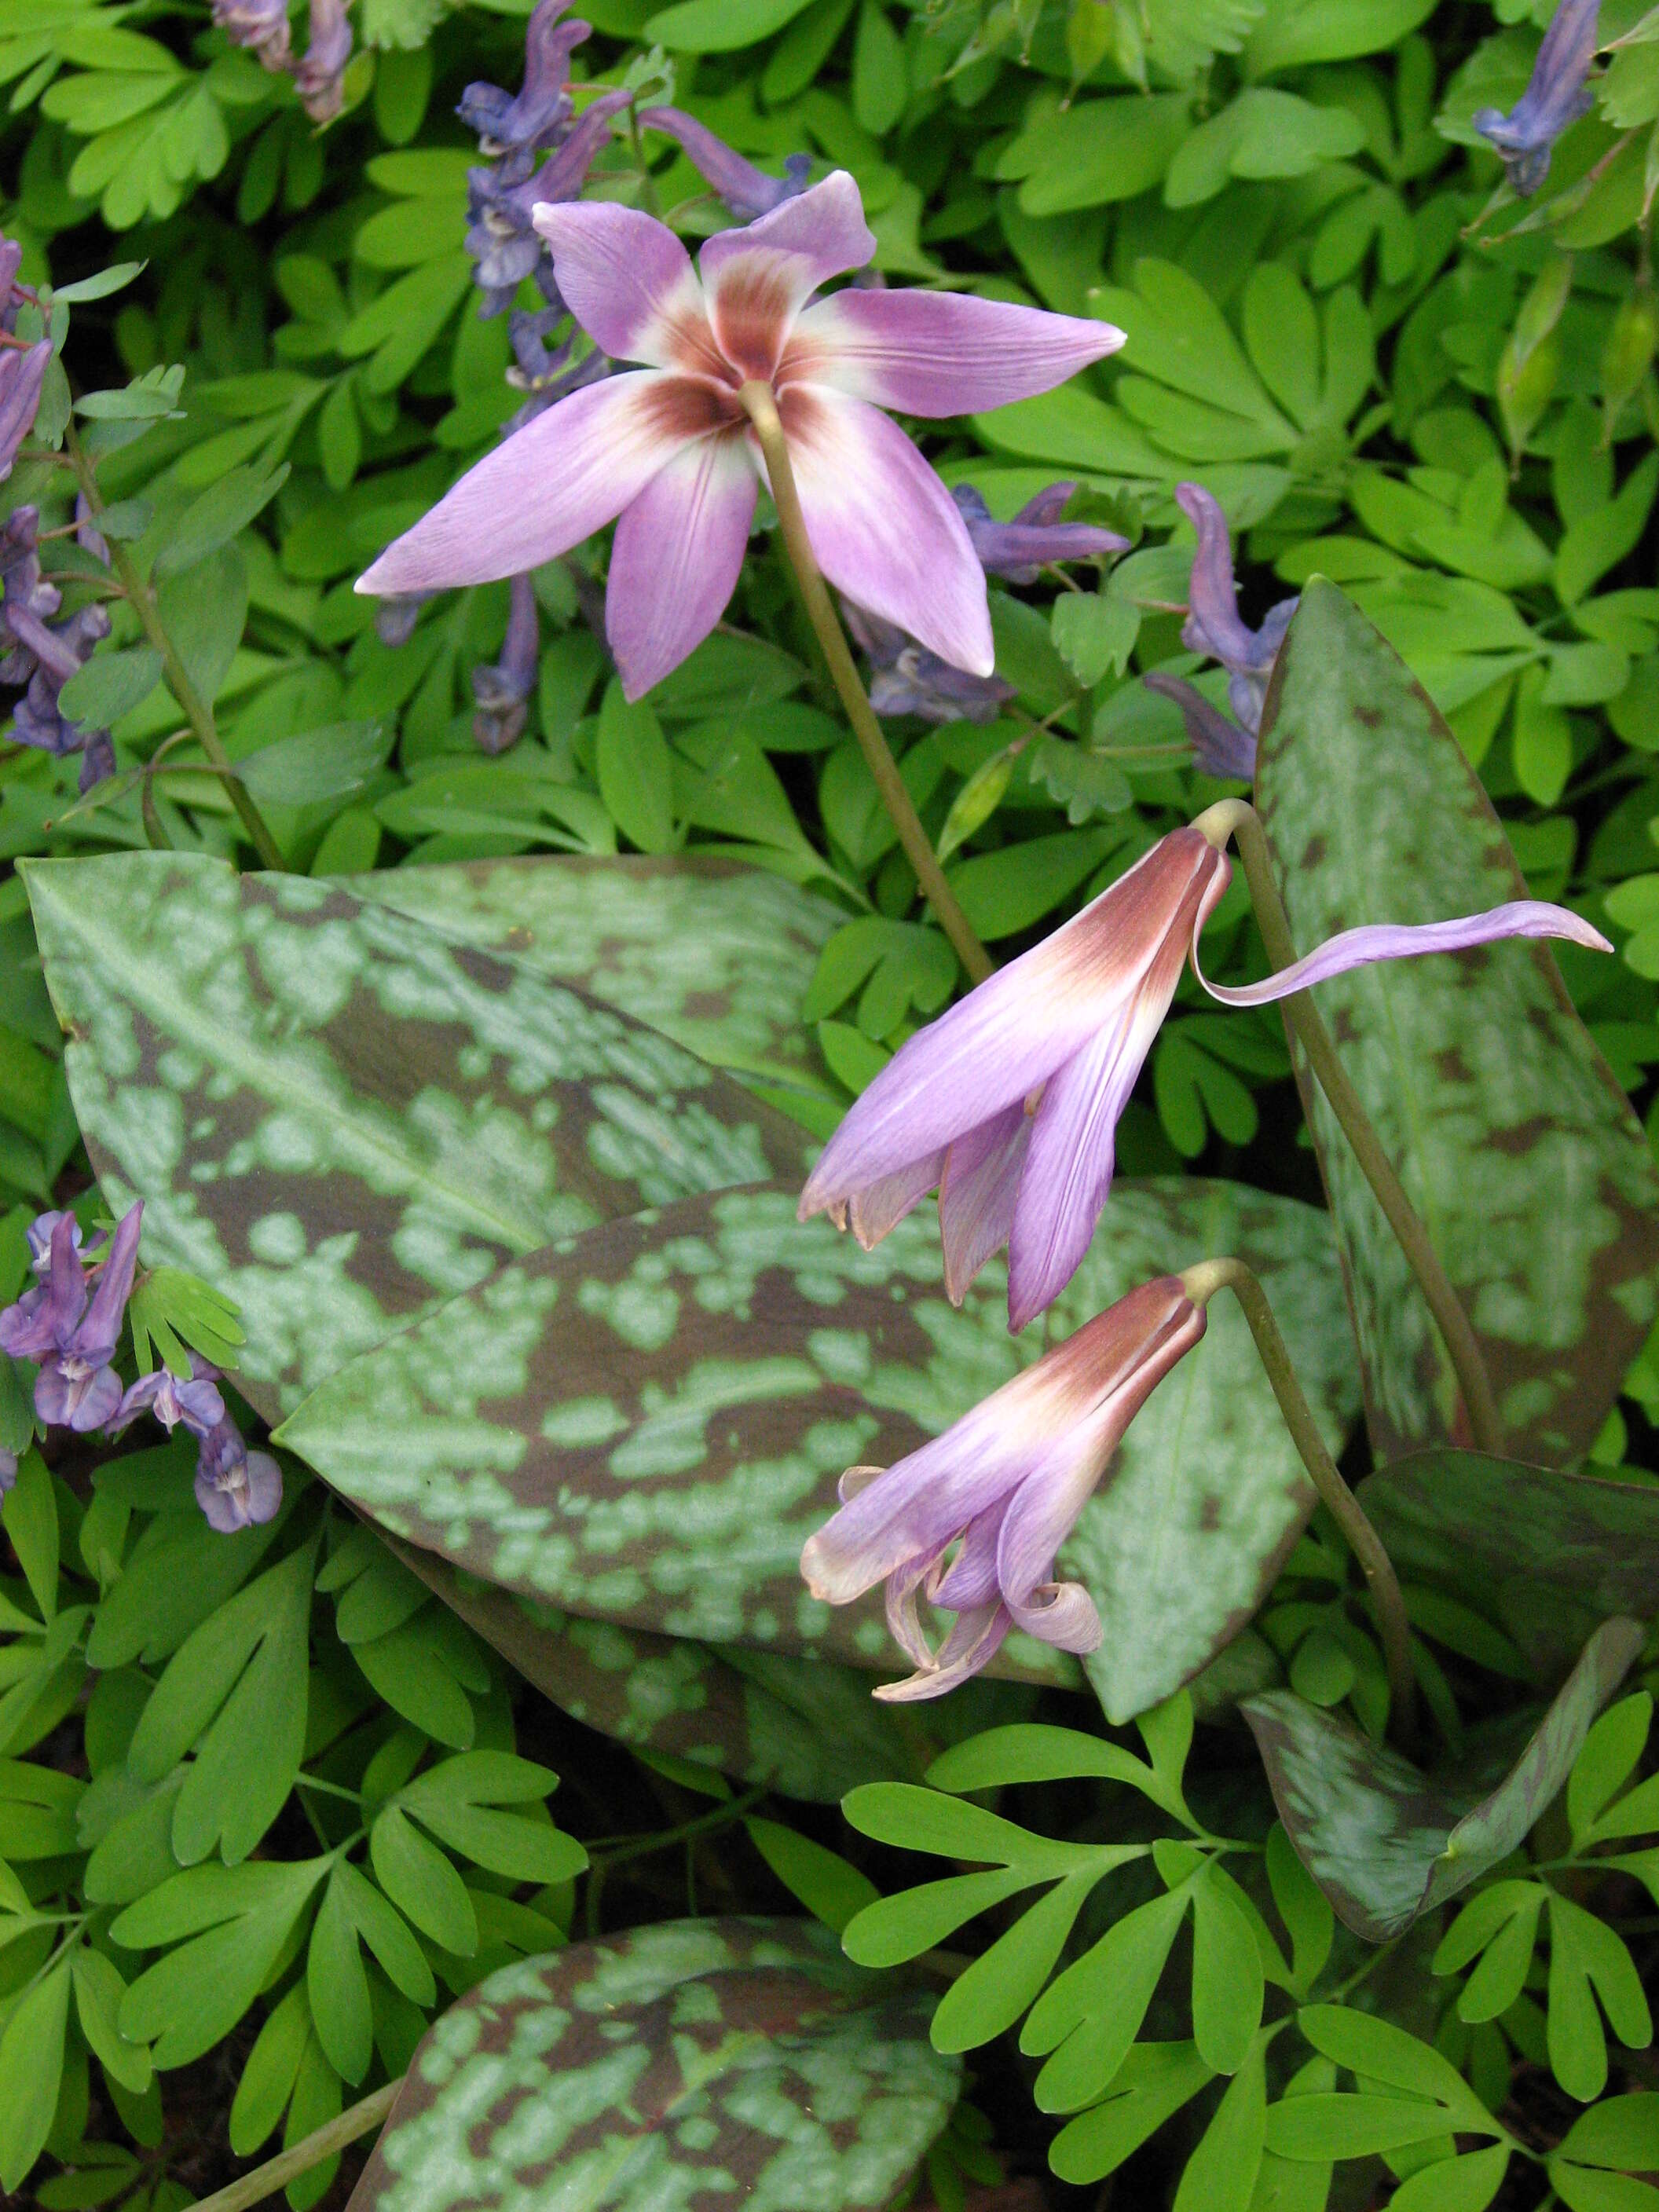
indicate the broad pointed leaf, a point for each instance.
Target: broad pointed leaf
{"x":1549,"y":1554}
{"x":1386,"y":1842}
{"x":1514,"y":1140}
{"x":700,"y":2064}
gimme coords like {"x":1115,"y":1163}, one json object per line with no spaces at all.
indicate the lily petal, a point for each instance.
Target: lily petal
{"x":881,"y":525}
{"x":629,"y":284}
{"x":1385,"y":941}
{"x":871,"y":1212}
{"x":976,"y":1198}
{"x":563,"y":477}
{"x":971,"y":1644}
{"x":675,"y":564}
{"x":758,"y":278}
{"x":943,"y":353}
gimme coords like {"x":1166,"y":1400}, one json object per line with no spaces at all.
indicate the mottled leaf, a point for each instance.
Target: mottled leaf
{"x":1515,"y":1143}
{"x":1547,"y":1554}
{"x":644,"y":1424}
{"x":700,"y":2064}
{"x":1386,"y":1842}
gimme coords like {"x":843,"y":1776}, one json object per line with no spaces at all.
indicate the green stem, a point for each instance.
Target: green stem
{"x":310,"y":2150}
{"x":1462,"y":1346}
{"x":1201,"y":1284}
{"x":719,"y":1816}
{"x":195,"y":709}
{"x":761,"y":409}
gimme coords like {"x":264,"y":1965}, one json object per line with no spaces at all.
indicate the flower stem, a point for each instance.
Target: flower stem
{"x":1201,"y":1284}
{"x":761,"y":409}
{"x":194,"y":708}
{"x":310,"y":2150}
{"x":1461,"y":1343}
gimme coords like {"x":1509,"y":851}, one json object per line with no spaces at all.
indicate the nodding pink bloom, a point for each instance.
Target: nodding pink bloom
{"x":235,"y":1488}
{"x":1008,"y":1104}
{"x":73,"y":1341}
{"x":1213,"y":624}
{"x":1036,"y":538}
{"x":670,"y":450}
{"x":1554,"y":97}
{"x":1008,"y":1482}
{"x":1219,"y":747}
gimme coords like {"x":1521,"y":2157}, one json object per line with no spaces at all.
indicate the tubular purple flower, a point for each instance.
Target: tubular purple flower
{"x":320,"y":72}
{"x":502,"y":688}
{"x":22,"y":378}
{"x":747,"y":190}
{"x":906,"y":679}
{"x":395,"y":617}
{"x":1212,"y":625}
{"x":39,"y":1235}
{"x":1219,"y":747}
{"x":1036,"y":538}
{"x":670,"y":449}
{"x":235,"y":1488}
{"x":1554,"y":98}
{"x":535,"y":119}
{"x":1008,"y":1104}
{"x":88,"y":535}
{"x":72,"y":1341}
{"x":261,"y":25}
{"x":196,"y":1403}
{"x":1006,"y":1483}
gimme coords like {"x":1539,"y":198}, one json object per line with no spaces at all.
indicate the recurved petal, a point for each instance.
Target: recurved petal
{"x":976,"y":1198}
{"x":971,"y":1644}
{"x":902,"y":1597}
{"x":1384,"y":940}
{"x":758,"y":278}
{"x":884,"y":1204}
{"x":677,"y":554}
{"x":629,"y":284}
{"x":1070,"y":1159}
{"x":563,"y":477}
{"x":942,"y":353}
{"x":1060,"y":1613}
{"x":971,"y":1577}
{"x":884,"y":528}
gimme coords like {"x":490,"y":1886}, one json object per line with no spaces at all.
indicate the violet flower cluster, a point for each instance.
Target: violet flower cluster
{"x":40,"y":654}
{"x":319,"y":73}
{"x":22,"y":362}
{"x":1555,"y":97}
{"x":69,"y":1325}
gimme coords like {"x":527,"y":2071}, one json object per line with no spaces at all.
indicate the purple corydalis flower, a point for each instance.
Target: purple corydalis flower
{"x":1008,"y":1104}
{"x":747,"y":190}
{"x":501,"y":237}
{"x":39,"y":1235}
{"x":1554,"y":98}
{"x":536,"y":116}
{"x":1212,"y":625}
{"x":1008,"y":1481}
{"x":8,"y":1471}
{"x":671,"y":451}
{"x":235,"y":1488}
{"x":1219,"y":747}
{"x":319,"y":73}
{"x":197,"y":1403}
{"x":906,"y":679}
{"x":502,"y":688}
{"x":1036,"y":538}
{"x":395,"y":617}
{"x":22,"y":378}
{"x":261,"y":25}
{"x":72,"y":1340}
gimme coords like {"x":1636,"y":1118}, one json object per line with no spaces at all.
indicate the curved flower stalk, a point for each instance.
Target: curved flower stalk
{"x":72,"y":1336}
{"x":670,"y":448}
{"x":1008,"y":1481}
{"x":1555,"y":97}
{"x":1008,"y":1104}
{"x":1213,"y":625}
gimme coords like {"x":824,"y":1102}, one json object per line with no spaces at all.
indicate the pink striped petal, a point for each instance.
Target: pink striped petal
{"x":880,"y":1206}
{"x":679,"y":550}
{"x":902,"y":1597}
{"x":758,"y":278}
{"x":941,"y":353}
{"x":1384,"y":940}
{"x":976,"y":1198}
{"x":883,"y":528}
{"x":548,"y":486}
{"x":629,"y":284}
{"x":1069,"y":1164}
{"x":970,"y":1646}
{"x":971,"y":1577}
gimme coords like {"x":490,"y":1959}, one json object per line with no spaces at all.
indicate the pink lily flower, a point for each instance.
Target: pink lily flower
{"x":1008,"y":1104}
{"x":1009,"y":1480}
{"x":670,"y":449}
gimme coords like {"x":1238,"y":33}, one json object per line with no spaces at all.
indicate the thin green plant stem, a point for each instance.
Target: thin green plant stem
{"x":1201,"y":1284}
{"x":310,"y":2150}
{"x":1462,"y":1346}
{"x":195,"y":709}
{"x":761,"y":409}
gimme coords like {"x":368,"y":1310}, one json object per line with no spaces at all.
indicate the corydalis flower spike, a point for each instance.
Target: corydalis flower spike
{"x":669,"y":450}
{"x":504,"y":124}
{"x":1036,"y":538}
{"x":22,"y":379}
{"x":73,"y":1341}
{"x":1554,"y":98}
{"x":1011,"y":1100}
{"x":1007,"y":1482}
{"x":320,"y":74}
{"x":502,"y":688}
{"x":1213,"y":625}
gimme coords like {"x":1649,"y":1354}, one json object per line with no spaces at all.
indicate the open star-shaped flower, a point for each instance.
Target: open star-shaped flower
{"x":669,"y":448}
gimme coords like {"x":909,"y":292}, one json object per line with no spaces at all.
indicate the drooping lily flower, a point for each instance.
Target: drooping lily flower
{"x":1009,"y":1480}
{"x":670,"y":450}
{"x":502,"y":688}
{"x":319,"y":73}
{"x":538,"y":116}
{"x":1008,"y":1104}
{"x":1035,"y":537}
{"x":235,"y":1487}
{"x":905,"y":678}
{"x":1213,"y":624}
{"x":1554,"y":98}
{"x":747,"y":190}
{"x":1219,"y":747}
{"x":73,"y":1341}
{"x":197,"y":1403}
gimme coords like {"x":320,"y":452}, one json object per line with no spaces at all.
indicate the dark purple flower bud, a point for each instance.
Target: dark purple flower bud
{"x":502,"y":688}
{"x":1554,"y":98}
{"x":87,"y":536}
{"x":196,"y":1403}
{"x":39,"y":1235}
{"x":748,"y":191}
{"x":1213,"y":625}
{"x":97,"y":759}
{"x":1035,"y":537}
{"x":235,"y":1487}
{"x":319,"y":73}
{"x":11,"y":292}
{"x":541,"y":109}
{"x":23,"y":375}
{"x":906,"y":679}
{"x":1219,"y":747}
{"x":395,"y":617}
{"x":73,"y":1341}
{"x":8,"y":1471}
{"x":261,"y":25}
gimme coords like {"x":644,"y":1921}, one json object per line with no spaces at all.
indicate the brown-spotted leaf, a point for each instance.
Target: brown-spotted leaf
{"x":698,"y":2063}
{"x":1515,"y":1142}
{"x":1386,"y":1842}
